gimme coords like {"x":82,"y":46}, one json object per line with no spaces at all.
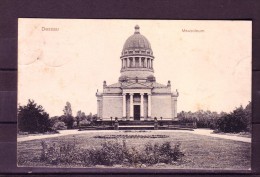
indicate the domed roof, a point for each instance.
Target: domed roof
{"x":136,"y":58}
{"x":137,"y":41}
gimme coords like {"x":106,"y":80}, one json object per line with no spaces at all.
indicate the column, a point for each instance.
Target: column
{"x":152,"y":63}
{"x":124,"y":105}
{"x":145,"y":62}
{"x":149,"y":105}
{"x":128,"y":62}
{"x":133,"y":62}
{"x":148,"y":62}
{"x":123,"y":63}
{"x":142,"y":105}
{"x":131,"y":106}
{"x":140,"y":62}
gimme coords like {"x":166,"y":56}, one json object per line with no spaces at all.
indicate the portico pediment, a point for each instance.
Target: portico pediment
{"x":137,"y":85}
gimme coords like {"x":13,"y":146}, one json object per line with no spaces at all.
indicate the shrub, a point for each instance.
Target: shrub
{"x":163,"y":153}
{"x":59,"y":126}
{"x":84,"y":122}
{"x":59,"y":153}
{"x":111,"y":153}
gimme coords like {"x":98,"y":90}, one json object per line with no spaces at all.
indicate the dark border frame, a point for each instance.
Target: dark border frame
{"x":11,"y":10}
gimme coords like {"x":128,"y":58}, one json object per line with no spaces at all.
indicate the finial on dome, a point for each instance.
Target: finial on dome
{"x":137,"y":29}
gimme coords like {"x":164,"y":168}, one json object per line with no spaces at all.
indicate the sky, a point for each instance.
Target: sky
{"x":211,"y":68}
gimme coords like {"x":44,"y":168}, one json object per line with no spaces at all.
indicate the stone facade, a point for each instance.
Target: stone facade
{"x":137,"y":95}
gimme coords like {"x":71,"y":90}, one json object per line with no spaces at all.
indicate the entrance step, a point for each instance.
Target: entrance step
{"x":136,"y":127}
{"x":136,"y":122}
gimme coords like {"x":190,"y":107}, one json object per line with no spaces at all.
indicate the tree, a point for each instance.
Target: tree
{"x":89,"y":117}
{"x":79,"y":117}
{"x":94,"y":117}
{"x":248,"y":114}
{"x":83,"y":116}
{"x":67,"y":118}
{"x":237,"y":121}
{"x":203,"y":119}
{"x":32,"y":118}
{"x":67,"y":109}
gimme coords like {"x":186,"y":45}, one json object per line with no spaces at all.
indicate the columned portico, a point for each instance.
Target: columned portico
{"x":136,"y":98}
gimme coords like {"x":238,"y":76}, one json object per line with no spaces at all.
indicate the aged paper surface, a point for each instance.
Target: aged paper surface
{"x":62,"y":66}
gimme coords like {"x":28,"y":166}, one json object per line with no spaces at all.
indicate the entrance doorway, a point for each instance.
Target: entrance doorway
{"x":136,"y":112}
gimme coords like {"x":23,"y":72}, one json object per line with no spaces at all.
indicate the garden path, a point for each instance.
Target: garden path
{"x":205,"y":132}
{"x":210,"y":133}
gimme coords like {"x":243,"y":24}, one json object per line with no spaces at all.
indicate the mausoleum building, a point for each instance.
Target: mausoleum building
{"x":137,"y":95}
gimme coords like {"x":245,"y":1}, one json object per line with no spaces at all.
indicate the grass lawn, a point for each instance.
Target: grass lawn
{"x":200,"y":151}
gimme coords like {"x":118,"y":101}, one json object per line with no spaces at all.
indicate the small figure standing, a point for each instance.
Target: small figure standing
{"x":155,"y":124}
{"x":116,"y":126}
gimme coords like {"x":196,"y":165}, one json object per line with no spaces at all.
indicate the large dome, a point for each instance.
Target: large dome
{"x":137,"y":43}
{"x":137,"y":58}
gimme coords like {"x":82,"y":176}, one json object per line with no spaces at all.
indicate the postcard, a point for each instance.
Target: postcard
{"x":145,"y":94}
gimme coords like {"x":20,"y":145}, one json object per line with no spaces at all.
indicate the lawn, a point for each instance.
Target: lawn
{"x":200,"y":151}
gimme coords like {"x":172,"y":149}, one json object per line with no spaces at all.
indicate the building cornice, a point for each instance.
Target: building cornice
{"x":137,"y":69}
{"x":137,"y":55}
